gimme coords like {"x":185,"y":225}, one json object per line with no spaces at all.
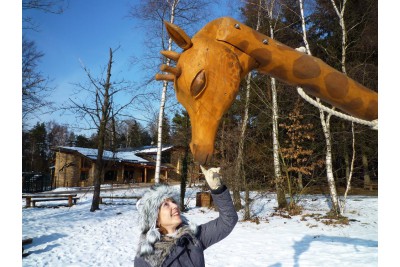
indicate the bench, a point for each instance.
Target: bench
{"x":32,"y":199}
{"x":118,"y":197}
{"x":371,"y":186}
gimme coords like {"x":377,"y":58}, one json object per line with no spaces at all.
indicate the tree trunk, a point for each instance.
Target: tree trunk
{"x":300,"y":181}
{"x":367,"y":177}
{"x":105,"y":111}
{"x":185,"y":163}
{"x":239,"y":168}
{"x":326,"y":130}
{"x":279,"y":181}
{"x":162,"y":106}
{"x":348,"y":179}
{"x":345,"y":153}
{"x":328,"y":162}
{"x":184,"y":175}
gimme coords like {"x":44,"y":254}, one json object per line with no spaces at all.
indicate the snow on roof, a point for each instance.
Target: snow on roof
{"x":151,"y":149}
{"x":92,"y":154}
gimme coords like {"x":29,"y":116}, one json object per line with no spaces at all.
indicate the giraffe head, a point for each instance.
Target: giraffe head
{"x":206,"y":81}
{"x":209,"y":70}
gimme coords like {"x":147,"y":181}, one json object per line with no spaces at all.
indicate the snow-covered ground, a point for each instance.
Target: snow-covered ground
{"x":75,"y":236}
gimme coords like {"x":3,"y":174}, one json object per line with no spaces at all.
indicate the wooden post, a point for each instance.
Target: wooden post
{"x":28,"y":202}
{"x":69,"y":201}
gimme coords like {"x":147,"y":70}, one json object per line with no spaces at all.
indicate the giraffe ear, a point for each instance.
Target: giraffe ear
{"x":178,"y":35}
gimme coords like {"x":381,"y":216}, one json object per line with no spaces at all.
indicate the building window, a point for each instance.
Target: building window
{"x":84,"y":175}
{"x":128,"y":176}
{"x":110,"y":175}
{"x":85,"y":163}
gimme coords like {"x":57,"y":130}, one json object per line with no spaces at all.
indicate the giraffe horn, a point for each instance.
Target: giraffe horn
{"x":178,"y":35}
{"x":171,"y":55}
{"x":165,"y":77}
{"x":174,"y":70}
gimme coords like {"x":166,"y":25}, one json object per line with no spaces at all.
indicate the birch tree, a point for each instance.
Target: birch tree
{"x":186,"y":12}
{"x":340,"y":14}
{"x":325,"y":119}
{"x":240,"y":173}
{"x":173,"y":4}
{"x":280,"y":191}
{"x":325,"y":122}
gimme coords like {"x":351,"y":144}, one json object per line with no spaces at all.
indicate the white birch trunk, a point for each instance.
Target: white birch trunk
{"x":239,"y":163}
{"x":340,"y":14}
{"x":343,"y":204}
{"x":275,"y":141}
{"x":162,"y":105}
{"x":326,"y":130}
{"x":328,"y":161}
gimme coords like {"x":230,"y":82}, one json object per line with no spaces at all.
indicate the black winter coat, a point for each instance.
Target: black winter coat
{"x":188,"y":249}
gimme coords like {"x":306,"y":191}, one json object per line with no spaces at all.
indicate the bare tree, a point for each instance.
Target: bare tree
{"x":35,"y":88}
{"x":47,"y":6}
{"x":99,"y":110}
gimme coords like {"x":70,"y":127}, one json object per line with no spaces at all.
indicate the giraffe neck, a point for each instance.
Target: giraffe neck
{"x":298,"y":69}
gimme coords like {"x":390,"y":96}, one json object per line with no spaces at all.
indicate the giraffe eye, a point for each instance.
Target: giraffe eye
{"x":198,"y":84}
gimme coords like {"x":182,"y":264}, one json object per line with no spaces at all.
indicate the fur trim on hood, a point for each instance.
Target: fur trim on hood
{"x":156,"y":253}
{"x":148,"y":207}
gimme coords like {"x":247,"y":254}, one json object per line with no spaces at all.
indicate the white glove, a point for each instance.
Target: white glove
{"x":213,"y":177}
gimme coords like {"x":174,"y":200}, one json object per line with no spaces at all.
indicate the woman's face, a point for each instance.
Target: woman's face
{"x":169,"y":215}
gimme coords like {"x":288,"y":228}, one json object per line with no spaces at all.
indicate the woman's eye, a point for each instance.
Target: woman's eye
{"x":198,"y":84}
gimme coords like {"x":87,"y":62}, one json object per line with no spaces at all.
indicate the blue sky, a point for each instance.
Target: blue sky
{"x":84,"y":33}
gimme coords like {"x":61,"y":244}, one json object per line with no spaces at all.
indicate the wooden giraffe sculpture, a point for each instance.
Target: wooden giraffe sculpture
{"x":208,"y":72}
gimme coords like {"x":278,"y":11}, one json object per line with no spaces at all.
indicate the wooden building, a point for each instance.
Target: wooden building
{"x":74,"y":166}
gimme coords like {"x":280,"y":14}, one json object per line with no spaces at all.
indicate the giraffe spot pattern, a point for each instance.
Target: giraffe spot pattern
{"x":311,"y":89}
{"x":371,"y":112}
{"x":355,"y":104}
{"x":262,"y":55}
{"x":336,"y":84}
{"x":233,"y":67}
{"x":305,"y":67}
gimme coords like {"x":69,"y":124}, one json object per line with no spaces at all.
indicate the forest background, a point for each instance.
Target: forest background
{"x":324,"y":37}
{"x":300,"y":134}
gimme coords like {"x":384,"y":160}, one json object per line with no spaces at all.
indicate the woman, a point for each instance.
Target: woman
{"x":168,"y":239}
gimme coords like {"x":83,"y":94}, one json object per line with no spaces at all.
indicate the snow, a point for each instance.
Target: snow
{"x":153,"y":150}
{"x":74,"y":236}
{"x":121,"y":155}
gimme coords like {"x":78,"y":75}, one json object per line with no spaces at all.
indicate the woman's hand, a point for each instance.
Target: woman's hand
{"x":212,"y":176}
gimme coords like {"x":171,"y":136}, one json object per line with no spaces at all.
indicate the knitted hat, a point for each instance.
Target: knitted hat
{"x":148,"y":207}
